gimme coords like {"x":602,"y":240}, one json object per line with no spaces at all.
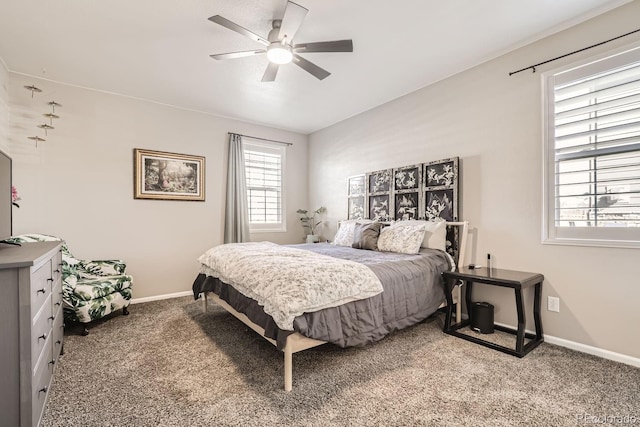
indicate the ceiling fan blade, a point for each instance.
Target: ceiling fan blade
{"x":310,"y":67}
{"x":232,"y":55}
{"x":293,"y":16}
{"x":270,"y":72}
{"x":334,"y":46}
{"x":238,"y":29}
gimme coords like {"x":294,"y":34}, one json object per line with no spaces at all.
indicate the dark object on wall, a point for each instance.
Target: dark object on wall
{"x":421,"y":191}
{"x":482,"y":317}
{"x":6,"y":205}
{"x":168,"y":176}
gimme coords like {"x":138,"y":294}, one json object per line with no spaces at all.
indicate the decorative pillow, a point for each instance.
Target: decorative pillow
{"x":344,"y":236}
{"x":405,"y":239}
{"x":366,"y":236}
{"x":435,"y":235}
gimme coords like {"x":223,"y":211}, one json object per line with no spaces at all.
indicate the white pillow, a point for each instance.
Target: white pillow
{"x":404,"y":239}
{"x":435,"y":235}
{"x":345,"y":233}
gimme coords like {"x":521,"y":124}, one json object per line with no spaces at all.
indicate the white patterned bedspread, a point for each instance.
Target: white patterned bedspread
{"x":287,"y":281}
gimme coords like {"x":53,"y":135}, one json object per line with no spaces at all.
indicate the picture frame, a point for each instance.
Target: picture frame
{"x":162,"y":175}
{"x":357,"y":208}
{"x":356,"y":185}
{"x":442,"y":203}
{"x":379,"y":182}
{"x":441,"y":173}
{"x":406,"y":205}
{"x":379,"y":207}
{"x":407,"y":178}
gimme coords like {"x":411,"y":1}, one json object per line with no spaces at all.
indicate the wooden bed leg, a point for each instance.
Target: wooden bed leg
{"x":204,"y":302}
{"x":288,"y":368}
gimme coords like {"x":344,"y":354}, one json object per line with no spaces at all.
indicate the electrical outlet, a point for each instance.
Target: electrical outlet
{"x":553,"y":304}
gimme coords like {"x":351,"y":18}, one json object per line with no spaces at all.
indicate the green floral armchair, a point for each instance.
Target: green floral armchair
{"x":90,"y":289}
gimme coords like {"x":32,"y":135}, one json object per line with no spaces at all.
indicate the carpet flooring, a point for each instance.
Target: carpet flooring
{"x":170,"y":364}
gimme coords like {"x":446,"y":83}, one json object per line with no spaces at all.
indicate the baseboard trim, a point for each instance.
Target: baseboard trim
{"x":583,"y":348}
{"x":161,"y":297}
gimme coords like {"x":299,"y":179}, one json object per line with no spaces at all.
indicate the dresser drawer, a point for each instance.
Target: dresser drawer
{"x":41,"y":281}
{"x":41,"y":331}
{"x":56,"y":267}
{"x":57,"y":334}
{"x":41,"y":383}
{"x":56,"y":297}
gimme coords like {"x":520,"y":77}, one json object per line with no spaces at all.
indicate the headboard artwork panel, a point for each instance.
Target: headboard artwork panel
{"x":407,"y":185}
{"x":420,"y":191}
{"x":441,"y":189}
{"x":379,"y":195}
{"x":356,"y":203}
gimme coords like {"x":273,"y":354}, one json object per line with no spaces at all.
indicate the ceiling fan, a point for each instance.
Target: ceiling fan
{"x":279,"y":45}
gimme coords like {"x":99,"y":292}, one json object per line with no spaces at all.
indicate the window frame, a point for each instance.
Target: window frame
{"x":618,"y":237}
{"x":266,"y":147}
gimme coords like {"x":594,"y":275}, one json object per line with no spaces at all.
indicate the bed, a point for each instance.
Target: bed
{"x":272,"y":289}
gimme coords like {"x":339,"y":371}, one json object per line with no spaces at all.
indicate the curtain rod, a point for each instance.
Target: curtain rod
{"x":262,"y":139}
{"x":533,"y":67}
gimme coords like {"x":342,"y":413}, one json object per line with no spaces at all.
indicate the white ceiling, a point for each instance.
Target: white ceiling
{"x":159,"y":49}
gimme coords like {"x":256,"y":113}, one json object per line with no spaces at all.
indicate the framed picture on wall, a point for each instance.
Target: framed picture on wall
{"x":407,"y":178}
{"x":379,"y":181}
{"x":167,"y":176}
{"x":441,"y":173}
{"x":406,"y":205}
{"x":379,"y":208}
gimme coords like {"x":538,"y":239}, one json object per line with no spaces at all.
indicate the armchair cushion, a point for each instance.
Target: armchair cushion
{"x":91,"y":289}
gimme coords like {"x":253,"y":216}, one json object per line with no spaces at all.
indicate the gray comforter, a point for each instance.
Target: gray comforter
{"x":412,"y":291}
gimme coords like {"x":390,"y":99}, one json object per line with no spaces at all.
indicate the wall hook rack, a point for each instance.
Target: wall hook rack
{"x":46,"y":127}
{"x":33,"y":89}
{"x":51,"y":116}
{"x":36,"y":139}
{"x":54,"y":104}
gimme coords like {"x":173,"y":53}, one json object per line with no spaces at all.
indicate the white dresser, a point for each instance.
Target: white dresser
{"x":31,"y":329}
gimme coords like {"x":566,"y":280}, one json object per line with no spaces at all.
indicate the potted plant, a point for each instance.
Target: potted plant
{"x":309,"y":222}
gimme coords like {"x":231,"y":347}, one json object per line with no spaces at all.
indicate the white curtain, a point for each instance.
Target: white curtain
{"x":236,"y":224}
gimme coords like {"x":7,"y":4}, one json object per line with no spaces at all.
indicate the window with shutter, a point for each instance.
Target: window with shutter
{"x":265,"y":178}
{"x":592,"y":152}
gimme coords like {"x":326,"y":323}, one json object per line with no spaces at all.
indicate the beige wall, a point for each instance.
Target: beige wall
{"x":79,"y":183}
{"x":493,"y":123}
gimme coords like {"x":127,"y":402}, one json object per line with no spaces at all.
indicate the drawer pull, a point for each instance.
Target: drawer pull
{"x":57,"y":270}
{"x":52,"y":362}
{"x":43,"y":390}
{"x":58,"y":303}
{"x":43,"y":337}
{"x":43,"y":290}
{"x":58,"y":342}
{"x":52,"y":317}
{"x":50,"y":279}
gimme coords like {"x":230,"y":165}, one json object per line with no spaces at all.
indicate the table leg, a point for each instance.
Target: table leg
{"x":467,"y":297}
{"x":521,"y":321}
{"x":449,"y":309}
{"x":536,"y":310}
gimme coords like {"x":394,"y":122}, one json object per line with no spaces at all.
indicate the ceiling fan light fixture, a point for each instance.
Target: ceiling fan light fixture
{"x":279,"y":53}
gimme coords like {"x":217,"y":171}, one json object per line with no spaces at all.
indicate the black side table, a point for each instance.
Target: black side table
{"x":517,"y":280}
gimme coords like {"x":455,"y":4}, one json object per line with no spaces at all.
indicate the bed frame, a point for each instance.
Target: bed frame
{"x":297,"y":342}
